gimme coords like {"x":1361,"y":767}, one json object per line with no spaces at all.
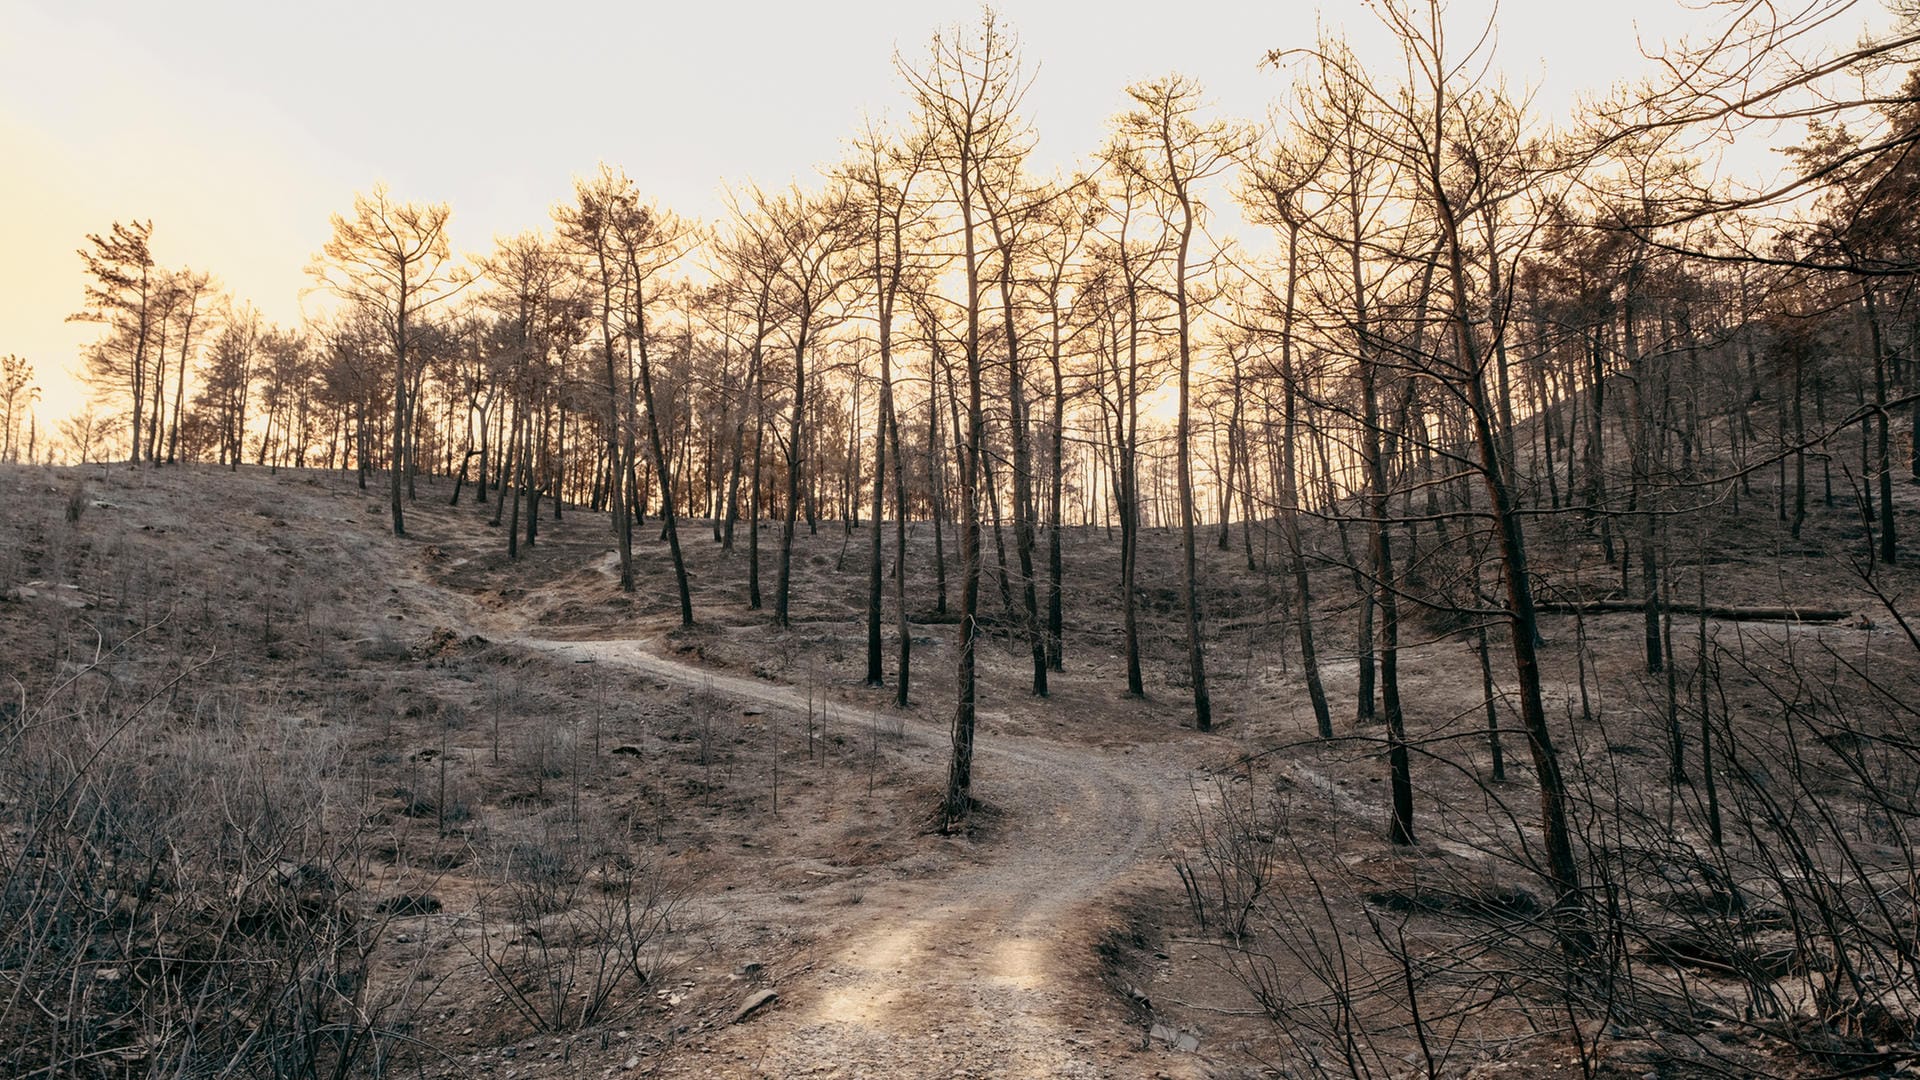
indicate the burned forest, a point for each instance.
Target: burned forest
{"x":1411,"y":584}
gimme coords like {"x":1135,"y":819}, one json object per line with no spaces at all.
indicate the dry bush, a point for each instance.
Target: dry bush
{"x":1228,"y":865}
{"x":577,"y":929}
{"x":1757,"y":917}
{"x":175,"y":899}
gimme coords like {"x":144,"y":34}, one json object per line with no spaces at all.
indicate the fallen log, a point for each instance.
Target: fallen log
{"x":1728,"y":612}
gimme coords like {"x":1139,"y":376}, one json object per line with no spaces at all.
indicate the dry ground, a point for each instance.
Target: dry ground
{"x":469,"y":717}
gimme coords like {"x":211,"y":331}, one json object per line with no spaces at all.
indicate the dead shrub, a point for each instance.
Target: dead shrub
{"x":177,"y":900}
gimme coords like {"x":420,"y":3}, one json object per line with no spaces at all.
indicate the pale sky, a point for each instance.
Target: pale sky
{"x":238,"y":127}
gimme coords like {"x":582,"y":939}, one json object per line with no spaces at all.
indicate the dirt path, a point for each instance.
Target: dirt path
{"x":988,"y":971}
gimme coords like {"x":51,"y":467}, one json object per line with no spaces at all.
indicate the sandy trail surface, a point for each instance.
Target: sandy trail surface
{"x":988,"y":970}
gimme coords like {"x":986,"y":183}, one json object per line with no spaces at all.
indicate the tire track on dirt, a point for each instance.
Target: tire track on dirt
{"x":985,"y":971}
{"x":988,"y":970}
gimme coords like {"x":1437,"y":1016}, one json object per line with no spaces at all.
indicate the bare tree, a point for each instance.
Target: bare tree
{"x":17,"y":392}
{"x":392,"y":259}
{"x":1117,"y":290}
{"x":226,"y":386}
{"x":1272,"y":196}
{"x":624,"y":244}
{"x":1064,"y":225}
{"x":193,"y":288}
{"x":968,"y":95}
{"x":1352,"y":189}
{"x":1174,"y":151}
{"x":1435,"y":131}
{"x":121,"y":296}
{"x":531,"y":295}
{"x":803,"y":238}
{"x":85,"y":431}
{"x":883,"y":176}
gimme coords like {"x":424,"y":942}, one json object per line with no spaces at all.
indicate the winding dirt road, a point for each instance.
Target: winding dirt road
{"x":988,"y":971}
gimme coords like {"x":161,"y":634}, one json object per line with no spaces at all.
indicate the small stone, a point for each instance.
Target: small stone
{"x":1185,"y":1042}
{"x":756,"y":1001}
